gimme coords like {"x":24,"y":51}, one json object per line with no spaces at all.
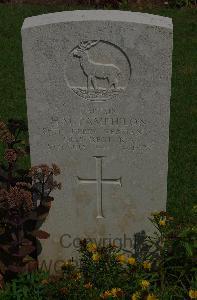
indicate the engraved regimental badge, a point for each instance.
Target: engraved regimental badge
{"x":97,"y":70}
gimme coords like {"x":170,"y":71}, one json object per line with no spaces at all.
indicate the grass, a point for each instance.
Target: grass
{"x":181,"y":188}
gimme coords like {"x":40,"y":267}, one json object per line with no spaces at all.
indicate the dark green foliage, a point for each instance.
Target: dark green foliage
{"x":183,"y":3}
{"x":25,"y":287}
{"x":173,"y":249}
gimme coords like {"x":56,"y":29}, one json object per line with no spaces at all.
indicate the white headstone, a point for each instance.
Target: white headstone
{"x":98,"y":100}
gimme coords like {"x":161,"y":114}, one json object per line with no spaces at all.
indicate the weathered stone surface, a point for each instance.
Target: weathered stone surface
{"x":98,"y":103}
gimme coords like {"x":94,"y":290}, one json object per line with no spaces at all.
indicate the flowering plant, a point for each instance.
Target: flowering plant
{"x":24,"y":201}
{"x":105,"y":272}
{"x":172,"y":250}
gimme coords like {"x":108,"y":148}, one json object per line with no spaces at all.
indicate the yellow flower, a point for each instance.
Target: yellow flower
{"x":193,"y":294}
{"x":77,"y":276}
{"x":96,"y":256}
{"x":135,"y":296}
{"x":145,"y":284}
{"x":116,"y":292}
{"x":132,"y":261}
{"x":44,"y":281}
{"x":151,"y":297}
{"x":121,"y":258}
{"x":88,"y":285}
{"x":106,"y":295}
{"x":162,"y":222}
{"x":91,"y":247}
{"x":67,"y":263}
{"x":147,"y":265}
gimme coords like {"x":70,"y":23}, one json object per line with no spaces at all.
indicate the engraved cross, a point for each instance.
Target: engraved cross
{"x":99,"y":181}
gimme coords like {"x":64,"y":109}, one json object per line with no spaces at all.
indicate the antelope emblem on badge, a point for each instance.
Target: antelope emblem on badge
{"x":103,"y":80}
{"x":94,"y":70}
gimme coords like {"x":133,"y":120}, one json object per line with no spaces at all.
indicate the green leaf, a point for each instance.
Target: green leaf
{"x":189,"y":249}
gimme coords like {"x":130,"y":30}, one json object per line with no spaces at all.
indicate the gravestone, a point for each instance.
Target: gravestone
{"x":98,"y":101}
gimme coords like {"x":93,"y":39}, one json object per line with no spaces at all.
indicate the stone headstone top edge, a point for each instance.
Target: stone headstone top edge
{"x":98,"y":15}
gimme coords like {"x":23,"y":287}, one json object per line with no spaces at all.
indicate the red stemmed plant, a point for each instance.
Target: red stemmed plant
{"x":25,"y":202}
